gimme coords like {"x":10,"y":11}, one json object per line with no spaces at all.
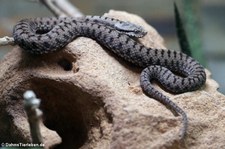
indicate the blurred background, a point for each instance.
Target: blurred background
{"x":207,"y":17}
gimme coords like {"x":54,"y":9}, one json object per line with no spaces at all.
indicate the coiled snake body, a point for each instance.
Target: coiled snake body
{"x":44,"y":35}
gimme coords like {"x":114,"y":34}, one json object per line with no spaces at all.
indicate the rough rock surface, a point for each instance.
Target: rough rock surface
{"x":92,"y":99}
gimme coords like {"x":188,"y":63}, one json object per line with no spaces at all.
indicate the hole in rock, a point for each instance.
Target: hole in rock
{"x":65,"y":64}
{"x":68,"y":110}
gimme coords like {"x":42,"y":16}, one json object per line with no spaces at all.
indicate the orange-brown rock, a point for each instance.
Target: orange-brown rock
{"x":92,"y":99}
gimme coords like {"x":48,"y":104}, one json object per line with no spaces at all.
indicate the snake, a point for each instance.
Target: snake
{"x":174,"y":70}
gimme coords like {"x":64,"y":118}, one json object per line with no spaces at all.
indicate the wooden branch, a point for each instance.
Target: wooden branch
{"x":31,"y":104}
{"x":6,"y":41}
{"x":62,"y":8}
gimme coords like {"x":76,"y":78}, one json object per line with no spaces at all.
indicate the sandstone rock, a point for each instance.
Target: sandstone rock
{"x":92,"y":99}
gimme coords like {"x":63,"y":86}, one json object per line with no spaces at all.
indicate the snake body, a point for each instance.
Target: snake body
{"x":44,"y":35}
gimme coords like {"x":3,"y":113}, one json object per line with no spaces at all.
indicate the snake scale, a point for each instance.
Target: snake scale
{"x":175,"y":71}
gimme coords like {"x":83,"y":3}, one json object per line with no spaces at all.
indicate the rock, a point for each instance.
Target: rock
{"x":92,"y":99}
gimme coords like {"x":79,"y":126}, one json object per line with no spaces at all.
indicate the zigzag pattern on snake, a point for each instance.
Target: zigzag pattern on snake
{"x":44,"y":35}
